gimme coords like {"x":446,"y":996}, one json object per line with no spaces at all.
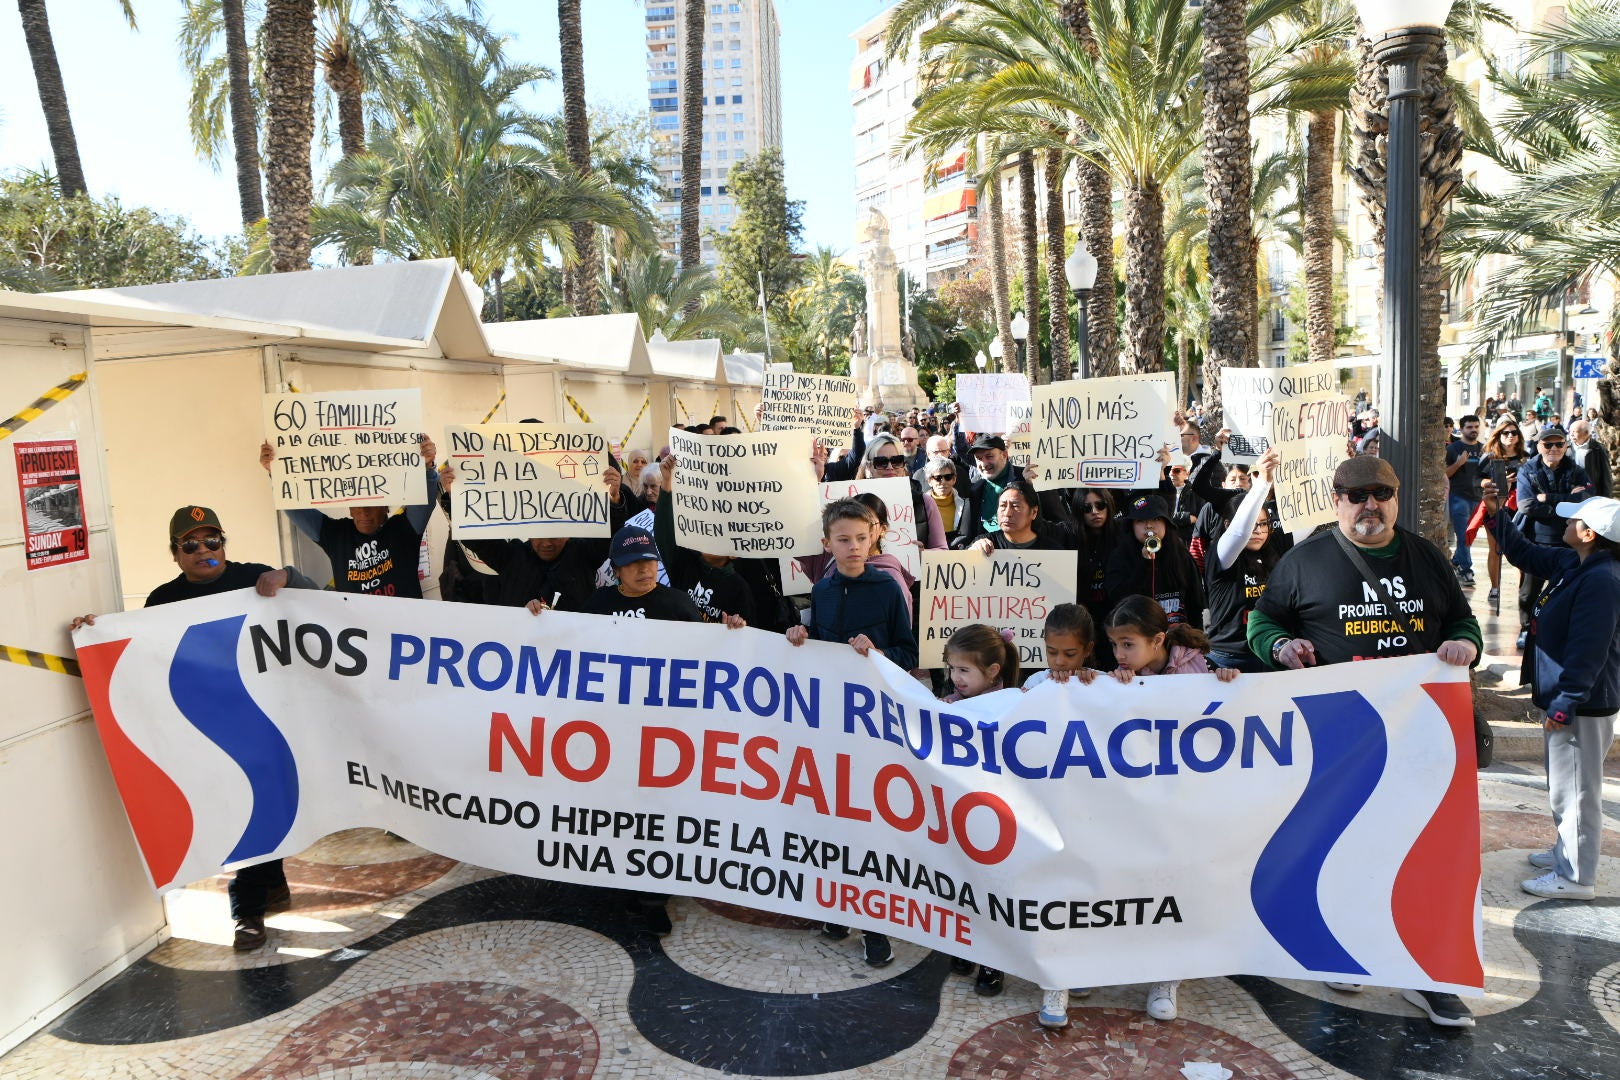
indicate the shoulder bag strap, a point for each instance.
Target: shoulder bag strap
{"x":1359,"y":561}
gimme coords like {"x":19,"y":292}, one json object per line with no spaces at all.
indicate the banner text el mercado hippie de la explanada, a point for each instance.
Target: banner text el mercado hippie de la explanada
{"x":1318,"y":823}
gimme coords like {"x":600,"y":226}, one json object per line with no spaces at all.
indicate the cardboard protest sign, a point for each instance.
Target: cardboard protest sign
{"x":823,"y":405}
{"x":746,"y":495}
{"x":1009,"y":590}
{"x":1020,"y":445}
{"x":346,"y":448}
{"x":520,"y":481}
{"x":984,"y":399}
{"x":1304,"y":484}
{"x":52,"y":503}
{"x":900,"y":541}
{"x":1263,"y":406}
{"x":1103,"y":432}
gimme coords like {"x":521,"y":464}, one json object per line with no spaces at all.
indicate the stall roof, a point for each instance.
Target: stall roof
{"x":610,"y":344}
{"x":696,"y":360}
{"x":745,"y":368}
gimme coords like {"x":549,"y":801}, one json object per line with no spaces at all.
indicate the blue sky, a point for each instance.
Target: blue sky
{"x":128,"y":96}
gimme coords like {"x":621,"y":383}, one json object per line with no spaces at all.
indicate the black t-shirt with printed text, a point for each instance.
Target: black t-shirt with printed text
{"x":382,"y":564}
{"x":1232,"y":594}
{"x":663,"y":603}
{"x":237,"y":575}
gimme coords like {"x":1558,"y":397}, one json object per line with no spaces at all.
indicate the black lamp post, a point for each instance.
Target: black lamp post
{"x":1081,"y":270}
{"x":1020,"y":333}
{"x":1403,"y":34}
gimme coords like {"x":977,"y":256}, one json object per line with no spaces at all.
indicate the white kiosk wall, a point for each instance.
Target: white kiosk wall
{"x":78,"y":904}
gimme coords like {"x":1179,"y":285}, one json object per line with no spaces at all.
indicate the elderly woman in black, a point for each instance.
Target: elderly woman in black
{"x":1575,"y":677}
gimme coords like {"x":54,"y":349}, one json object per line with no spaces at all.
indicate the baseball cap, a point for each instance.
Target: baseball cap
{"x":1148,"y":508}
{"x":191,"y":518}
{"x":1364,"y":471}
{"x":1601,"y":515}
{"x":631,"y":544}
{"x":989,"y":442}
{"x":1551,"y":431}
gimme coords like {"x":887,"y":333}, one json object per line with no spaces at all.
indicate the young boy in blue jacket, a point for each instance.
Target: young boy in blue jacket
{"x":864,"y":608}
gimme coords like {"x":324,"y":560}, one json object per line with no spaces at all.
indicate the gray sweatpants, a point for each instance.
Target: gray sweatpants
{"x":1575,"y":790}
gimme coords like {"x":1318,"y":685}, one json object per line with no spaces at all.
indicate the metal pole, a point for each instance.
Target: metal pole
{"x":1402,"y":54}
{"x":1084,"y":337}
{"x":764,"y":316}
{"x":1566,"y":363}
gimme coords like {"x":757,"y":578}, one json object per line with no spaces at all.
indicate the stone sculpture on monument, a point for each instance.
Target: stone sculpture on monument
{"x":886,"y":378}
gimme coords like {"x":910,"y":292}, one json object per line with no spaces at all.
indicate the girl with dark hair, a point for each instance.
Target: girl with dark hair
{"x":1505,"y":451}
{"x":1236,"y":574}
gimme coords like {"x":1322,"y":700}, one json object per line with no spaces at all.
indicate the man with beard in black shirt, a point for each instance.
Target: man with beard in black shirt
{"x":1318,"y":608}
{"x":197,"y":545}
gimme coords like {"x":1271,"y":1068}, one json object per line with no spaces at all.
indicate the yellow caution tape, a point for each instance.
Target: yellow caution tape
{"x":62,"y":665}
{"x":583,"y":415}
{"x":496,"y":407}
{"x":738,"y":409}
{"x":637,"y":421}
{"x":57,"y":393}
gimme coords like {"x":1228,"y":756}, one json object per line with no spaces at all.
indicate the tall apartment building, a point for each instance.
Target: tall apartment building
{"x":742,"y":102}
{"x":932,"y":212}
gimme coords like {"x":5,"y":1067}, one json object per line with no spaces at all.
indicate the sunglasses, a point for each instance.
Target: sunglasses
{"x":1552,"y":444}
{"x":1509,"y":435}
{"x":943,"y":476}
{"x":889,"y":462}
{"x":1382,"y":493}
{"x":1095,"y":507}
{"x":212,"y":543}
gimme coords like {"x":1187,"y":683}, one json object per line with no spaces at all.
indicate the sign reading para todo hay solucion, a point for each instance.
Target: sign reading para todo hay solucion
{"x":746,"y":495}
{"x":520,"y":481}
{"x":823,"y":405}
{"x":1103,"y":432}
{"x":1009,"y":590}
{"x":346,"y":448}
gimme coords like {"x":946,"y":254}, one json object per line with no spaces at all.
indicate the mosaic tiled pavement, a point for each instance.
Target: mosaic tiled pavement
{"x":394,"y":962}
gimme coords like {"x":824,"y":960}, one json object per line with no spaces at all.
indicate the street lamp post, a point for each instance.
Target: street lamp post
{"x":981,"y":361}
{"x":995,"y":351}
{"x":1081,"y":270}
{"x":1403,"y":34}
{"x":1020,"y":333}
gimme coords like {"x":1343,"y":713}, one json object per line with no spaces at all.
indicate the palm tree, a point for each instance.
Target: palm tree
{"x":1228,"y":167}
{"x":659,"y":292}
{"x":36,"y":26}
{"x":1096,"y":190}
{"x":288,"y":36}
{"x":579,"y":280}
{"x":1000,"y":291}
{"x":693,"y":18}
{"x":830,"y":299}
{"x":1029,"y":235}
{"x":1057,"y":282}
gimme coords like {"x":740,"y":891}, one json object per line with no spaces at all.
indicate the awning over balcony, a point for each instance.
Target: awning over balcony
{"x":951,"y":165}
{"x":861,"y":75}
{"x":946,"y":203}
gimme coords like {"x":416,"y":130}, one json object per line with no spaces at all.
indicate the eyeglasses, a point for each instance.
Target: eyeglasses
{"x":212,"y":543}
{"x":1382,"y":493}
{"x":889,"y":462}
{"x":1552,"y":444}
{"x":908,"y":442}
{"x":1509,"y":435}
{"x":943,"y":476}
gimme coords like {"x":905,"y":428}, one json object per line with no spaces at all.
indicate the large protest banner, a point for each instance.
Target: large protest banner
{"x":1304,"y":484}
{"x":824,"y":405}
{"x":747,"y":495}
{"x":984,"y":399}
{"x":1302,"y":824}
{"x":1264,"y":406}
{"x":900,"y":541}
{"x":1103,"y":432}
{"x":1009,"y":590}
{"x":346,"y":448}
{"x":519,"y":481}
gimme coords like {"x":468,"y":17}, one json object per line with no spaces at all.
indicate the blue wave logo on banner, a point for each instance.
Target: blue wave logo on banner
{"x":207,"y":688}
{"x":1348,"y":752}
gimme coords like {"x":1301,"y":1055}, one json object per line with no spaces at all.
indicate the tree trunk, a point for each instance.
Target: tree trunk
{"x":1229,"y":182}
{"x":1057,"y":283}
{"x":244,"y":117}
{"x":1144,"y":281}
{"x":288,"y":37}
{"x":1320,"y":137}
{"x":999,"y":291}
{"x":52,"y":97}
{"x":1096,"y":219}
{"x":1183,"y":371}
{"x":579,"y":280}
{"x":348,"y":85}
{"x":693,"y":22}
{"x":1030,"y":238}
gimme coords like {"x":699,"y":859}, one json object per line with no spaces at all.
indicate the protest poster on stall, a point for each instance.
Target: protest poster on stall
{"x":54,"y":531}
{"x":823,"y":405}
{"x":900,"y":541}
{"x":346,"y":448}
{"x":1263,"y":406}
{"x":1103,"y":432}
{"x":1074,"y":835}
{"x":1010,"y":590}
{"x":523,"y":481}
{"x":984,"y":399}
{"x":1304,"y":484}
{"x":746,"y":495}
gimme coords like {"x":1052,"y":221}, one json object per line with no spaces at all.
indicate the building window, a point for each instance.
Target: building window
{"x":736,"y":80}
{"x":718,"y":65}
{"x":725,"y":155}
{"x":736,"y":118}
{"x":734,"y":8}
{"x":736,"y":62}
{"x":735,"y":45}
{"x":736,"y":27}
{"x":666,"y":123}
{"x":659,"y":14}
{"x":665,"y":104}
{"x":705,"y":190}
{"x":714,"y":9}
{"x":736,"y":99}
{"x":722,"y":189}
{"x":708,"y":211}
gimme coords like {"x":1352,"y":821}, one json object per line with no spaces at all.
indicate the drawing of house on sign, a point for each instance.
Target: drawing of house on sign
{"x":591,"y":467}
{"x":567,"y":467}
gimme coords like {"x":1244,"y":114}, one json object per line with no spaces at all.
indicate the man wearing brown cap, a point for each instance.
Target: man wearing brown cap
{"x":197,"y":545}
{"x":1362,"y":590}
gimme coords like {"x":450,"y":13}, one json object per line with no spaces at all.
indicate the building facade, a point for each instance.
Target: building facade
{"x":742,"y":103}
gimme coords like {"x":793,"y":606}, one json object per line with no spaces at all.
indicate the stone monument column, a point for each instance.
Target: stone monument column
{"x":888,"y":380}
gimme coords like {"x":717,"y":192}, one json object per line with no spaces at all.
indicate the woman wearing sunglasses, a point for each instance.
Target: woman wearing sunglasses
{"x":1504,"y":453}
{"x":887,"y":459}
{"x":941,"y":474}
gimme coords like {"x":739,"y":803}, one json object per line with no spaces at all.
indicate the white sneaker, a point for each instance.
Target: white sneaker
{"x":1345,"y":987}
{"x":1054,"y":1009}
{"x":1554,"y":886}
{"x":1543,"y":860}
{"x":1161,"y":1002}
